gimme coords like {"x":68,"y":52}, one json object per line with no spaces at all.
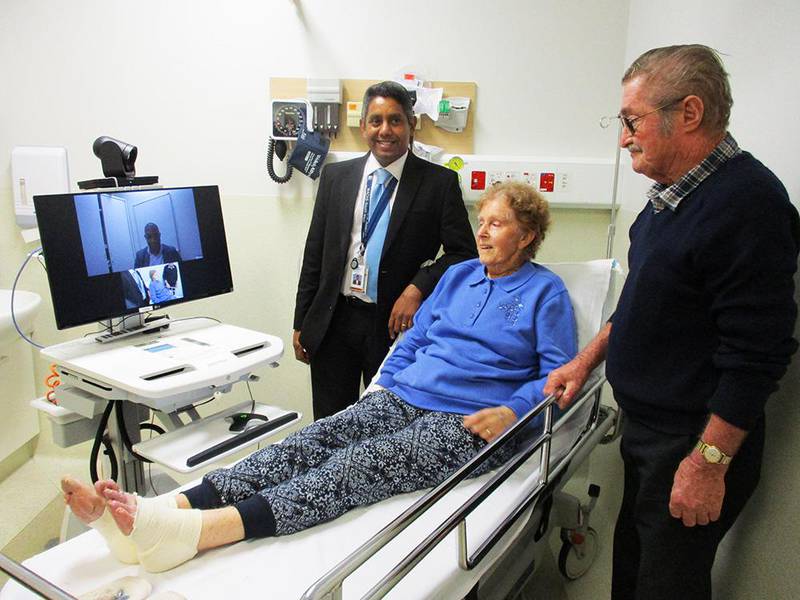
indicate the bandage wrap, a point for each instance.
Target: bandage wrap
{"x":165,"y":537}
{"x":120,"y":545}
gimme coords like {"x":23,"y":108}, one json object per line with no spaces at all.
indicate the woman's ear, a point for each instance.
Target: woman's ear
{"x":526,"y":239}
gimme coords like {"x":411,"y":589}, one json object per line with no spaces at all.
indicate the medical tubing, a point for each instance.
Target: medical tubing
{"x":98,"y":439}
{"x":112,"y":456}
{"x":152,"y":427}
{"x":13,"y":292}
{"x":271,"y":170}
{"x":126,"y":440}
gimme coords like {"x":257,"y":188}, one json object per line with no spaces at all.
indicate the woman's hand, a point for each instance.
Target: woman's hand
{"x":489,"y":423}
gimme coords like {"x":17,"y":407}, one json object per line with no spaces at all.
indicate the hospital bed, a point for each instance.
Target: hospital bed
{"x":475,"y":538}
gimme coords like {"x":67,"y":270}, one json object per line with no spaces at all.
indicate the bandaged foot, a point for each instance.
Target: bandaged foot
{"x":164,"y":536}
{"x":131,"y":588}
{"x":88,"y":504}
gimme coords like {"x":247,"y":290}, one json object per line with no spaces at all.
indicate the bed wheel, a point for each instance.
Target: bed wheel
{"x":577,"y":555}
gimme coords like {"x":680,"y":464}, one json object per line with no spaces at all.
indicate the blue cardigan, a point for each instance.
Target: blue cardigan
{"x":479,"y":342}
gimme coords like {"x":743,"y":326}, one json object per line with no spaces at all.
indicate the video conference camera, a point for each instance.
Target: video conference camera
{"x":118,"y":160}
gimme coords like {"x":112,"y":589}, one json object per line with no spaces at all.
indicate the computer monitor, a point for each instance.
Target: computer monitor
{"x":115,"y":253}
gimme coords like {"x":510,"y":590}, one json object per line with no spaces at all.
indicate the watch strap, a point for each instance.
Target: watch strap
{"x":712,"y":454}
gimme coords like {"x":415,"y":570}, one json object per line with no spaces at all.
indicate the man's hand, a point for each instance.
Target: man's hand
{"x":566,"y":382}
{"x":299,"y":352}
{"x":697,"y":491}
{"x":489,"y":423}
{"x":403,"y":311}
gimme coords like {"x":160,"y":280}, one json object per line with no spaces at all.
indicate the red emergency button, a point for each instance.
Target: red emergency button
{"x":547,"y":182}
{"x":478,"y":180}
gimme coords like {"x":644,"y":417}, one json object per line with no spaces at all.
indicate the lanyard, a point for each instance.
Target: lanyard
{"x":367,"y":229}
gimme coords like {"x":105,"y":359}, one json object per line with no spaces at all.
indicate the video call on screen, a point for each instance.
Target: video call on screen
{"x":124,"y":250}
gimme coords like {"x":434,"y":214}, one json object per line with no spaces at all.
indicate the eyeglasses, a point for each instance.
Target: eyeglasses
{"x":628,"y":122}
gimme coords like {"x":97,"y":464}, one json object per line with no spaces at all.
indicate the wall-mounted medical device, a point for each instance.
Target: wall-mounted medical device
{"x":36,"y":170}
{"x":453,"y":114}
{"x":292,"y":129}
{"x":288,"y":116}
{"x":325,"y":96}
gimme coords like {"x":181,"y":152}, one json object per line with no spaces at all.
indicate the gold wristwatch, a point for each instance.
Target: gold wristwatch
{"x":712,"y":454}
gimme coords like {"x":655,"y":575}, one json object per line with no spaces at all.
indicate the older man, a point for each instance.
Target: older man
{"x":703,"y":328}
{"x":379,"y":222}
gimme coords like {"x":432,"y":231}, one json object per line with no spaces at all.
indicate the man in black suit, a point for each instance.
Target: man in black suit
{"x":364,"y":276}
{"x":155,"y":253}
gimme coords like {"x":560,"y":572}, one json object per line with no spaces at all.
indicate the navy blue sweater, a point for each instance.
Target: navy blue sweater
{"x":705,"y":320}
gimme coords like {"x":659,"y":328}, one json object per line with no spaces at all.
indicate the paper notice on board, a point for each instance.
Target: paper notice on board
{"x":428,"y":102}
{"x":427,"y":151}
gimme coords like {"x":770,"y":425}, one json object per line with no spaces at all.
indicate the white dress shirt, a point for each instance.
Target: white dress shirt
{"x":396,"y":169}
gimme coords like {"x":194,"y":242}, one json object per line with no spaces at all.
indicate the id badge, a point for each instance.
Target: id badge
{"x":358,"y":278}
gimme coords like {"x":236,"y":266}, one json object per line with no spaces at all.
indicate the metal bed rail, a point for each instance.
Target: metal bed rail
{"x":35,"y":583}
{"x":329,"y":586}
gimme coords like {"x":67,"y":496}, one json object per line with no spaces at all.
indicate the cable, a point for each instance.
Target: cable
{"x":98,"y":439}
{"x":252,"y":399}
{"x":123,"y":432}
{"x":271,"y":170}
{"x":52,"y":381}
{"x":112,"y":456}
{"x":13,"y":292}
{"x":192,"y":318}
{"x":152,"y":427}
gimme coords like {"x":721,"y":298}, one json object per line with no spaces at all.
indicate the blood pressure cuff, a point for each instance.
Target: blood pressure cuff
{"x":309,"y":153}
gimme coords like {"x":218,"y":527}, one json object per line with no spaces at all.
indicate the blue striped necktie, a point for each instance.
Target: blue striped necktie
{"x":375,"y":244}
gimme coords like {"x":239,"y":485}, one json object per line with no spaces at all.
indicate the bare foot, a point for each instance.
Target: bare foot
{"x":123,"y":510}
{"x":82,"y":499}
{"x":110,"y":490}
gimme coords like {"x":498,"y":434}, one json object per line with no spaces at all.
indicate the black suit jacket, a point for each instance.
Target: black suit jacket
{"x":428,"y":213}
{"x":168,"y":254}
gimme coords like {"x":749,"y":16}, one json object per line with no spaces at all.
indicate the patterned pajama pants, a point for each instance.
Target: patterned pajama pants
{"x":379,"y":447}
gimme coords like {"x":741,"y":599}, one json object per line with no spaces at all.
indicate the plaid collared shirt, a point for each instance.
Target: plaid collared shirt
{"x":662,"y":195}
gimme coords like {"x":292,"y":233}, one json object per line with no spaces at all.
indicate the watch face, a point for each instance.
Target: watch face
{"x":713,"y":454}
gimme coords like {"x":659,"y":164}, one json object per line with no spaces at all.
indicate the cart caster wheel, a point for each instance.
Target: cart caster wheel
{"x":575,"y":559}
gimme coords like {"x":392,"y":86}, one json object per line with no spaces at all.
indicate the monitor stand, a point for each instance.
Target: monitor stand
{"x":132,"y":325}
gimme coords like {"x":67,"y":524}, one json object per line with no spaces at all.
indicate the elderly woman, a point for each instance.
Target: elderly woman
{"x":475,"y":360}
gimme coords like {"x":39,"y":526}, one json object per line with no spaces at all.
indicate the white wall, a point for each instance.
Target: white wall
{"x":187,"y":82}
{"x":761,"y":47}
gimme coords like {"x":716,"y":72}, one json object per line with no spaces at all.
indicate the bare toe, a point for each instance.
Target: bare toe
{"x":123,"y":515}
{"x":105,"y":484}
{"x":82,"y":499}
{"x":121,"y":497}
{"x":113,"y":492}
